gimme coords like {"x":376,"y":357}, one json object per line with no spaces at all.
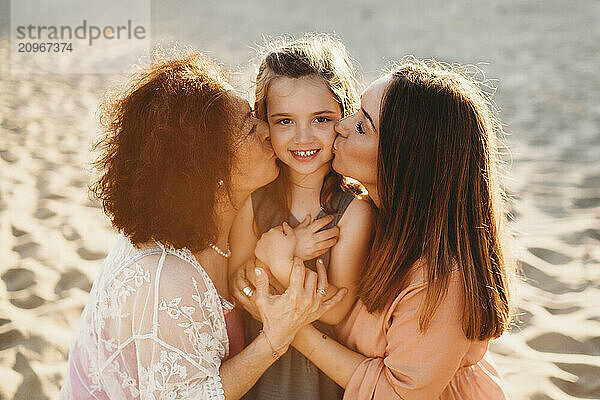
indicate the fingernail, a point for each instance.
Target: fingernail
{"x":257,"y":271}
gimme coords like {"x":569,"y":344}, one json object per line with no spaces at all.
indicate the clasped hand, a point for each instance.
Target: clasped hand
{"x":284,"y":314}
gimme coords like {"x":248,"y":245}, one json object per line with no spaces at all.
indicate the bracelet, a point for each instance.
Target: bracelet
{"x":274,"y":353}
{"x":324,"y":337}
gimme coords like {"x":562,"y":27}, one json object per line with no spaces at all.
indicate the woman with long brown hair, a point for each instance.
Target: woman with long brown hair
{"x":434,"y":290}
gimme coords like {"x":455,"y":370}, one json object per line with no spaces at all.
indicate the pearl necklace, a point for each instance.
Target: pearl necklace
{"x":219,"y":251}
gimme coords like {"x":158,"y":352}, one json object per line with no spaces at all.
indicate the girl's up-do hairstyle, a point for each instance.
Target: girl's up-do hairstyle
{"x":440,"y":197}
{"x":167,"y":143}
{"x":323,"y":57}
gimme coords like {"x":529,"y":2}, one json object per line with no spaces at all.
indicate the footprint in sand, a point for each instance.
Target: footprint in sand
{"x":536,"y":277}
{"x":29,"y":302}
{"x":31,"y":386}
{"x":10,"y":125}
{"x":49,"y":165}
{"x":8,"y":156}
{"x":70,"y":233}
{"x":90,"y":255}
{"x":561,"y":311}
{"x":591,"y":182}
{"x":18,"y":279}
{"x":78,"y":183}
{"x":27,"y":249}
{"x":540,"y":396}
{"x":554,"y":342}
{"x":71,"y":279}
{"x":43,"y":213}
{"x":587,"y":384}
{"x":550,"y":256}
{"x":554,"y":211}
{"x":594,"y":345}
{"x":16,"y":232}
{"x":588,"y":202}
{"x":521,"y":321}
{"x":10,"y":339}
{"x":51,"y":196}
{"x":580,"y":237}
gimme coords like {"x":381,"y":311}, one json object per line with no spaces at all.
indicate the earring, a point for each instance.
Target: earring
{"x":220,"y":182}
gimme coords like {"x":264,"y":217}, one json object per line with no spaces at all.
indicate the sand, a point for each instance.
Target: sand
{"x":543,"y":57}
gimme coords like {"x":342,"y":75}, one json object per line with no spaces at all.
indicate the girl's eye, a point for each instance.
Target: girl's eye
{"x":285,"y":121}
{"x":359,"y":128}
{"x":322,"y":120}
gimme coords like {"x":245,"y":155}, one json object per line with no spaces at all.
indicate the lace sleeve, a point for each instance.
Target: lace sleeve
{"x":179,"y":332}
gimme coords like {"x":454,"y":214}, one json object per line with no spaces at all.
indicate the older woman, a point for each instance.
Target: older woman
{"x":181,"y":152}
{"x":434,"y":290}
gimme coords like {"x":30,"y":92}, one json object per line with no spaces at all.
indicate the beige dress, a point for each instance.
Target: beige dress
{"x":405,"y":364}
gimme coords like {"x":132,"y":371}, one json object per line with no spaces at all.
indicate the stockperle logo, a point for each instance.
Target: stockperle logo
{"x":78,"y":36}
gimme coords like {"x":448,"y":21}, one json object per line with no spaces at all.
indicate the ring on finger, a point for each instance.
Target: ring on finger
{"x":321,"y":291}
{"x":248,"y":291}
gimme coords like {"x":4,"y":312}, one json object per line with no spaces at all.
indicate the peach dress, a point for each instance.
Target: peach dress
{"x":405,"y":364}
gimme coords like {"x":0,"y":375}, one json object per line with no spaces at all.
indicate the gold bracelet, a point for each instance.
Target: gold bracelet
{"x":274,"y":353}
{"x":324,"y":337}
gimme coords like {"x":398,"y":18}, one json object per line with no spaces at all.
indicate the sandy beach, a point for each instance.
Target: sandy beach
{"x":541,"y":56}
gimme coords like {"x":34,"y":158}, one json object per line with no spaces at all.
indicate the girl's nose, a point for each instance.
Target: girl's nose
{"x":302,"y":134}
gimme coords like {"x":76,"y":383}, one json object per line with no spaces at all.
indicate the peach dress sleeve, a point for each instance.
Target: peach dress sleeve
{"x":404,"y":363}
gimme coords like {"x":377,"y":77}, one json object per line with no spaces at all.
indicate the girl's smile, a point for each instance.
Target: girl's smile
{"x":305,"y":155}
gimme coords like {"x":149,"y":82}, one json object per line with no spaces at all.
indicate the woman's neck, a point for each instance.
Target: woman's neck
{"x":225,"y":211}
{"x":372,"y":189}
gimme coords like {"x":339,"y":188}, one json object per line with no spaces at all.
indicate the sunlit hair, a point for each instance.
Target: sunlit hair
{"x":315,"y":55}
{"x":166,"y":146}
{"x":441,"y":201}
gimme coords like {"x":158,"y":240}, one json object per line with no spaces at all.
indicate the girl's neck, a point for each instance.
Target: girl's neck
{"x":308,"y":182}
{"x":305,"y":191}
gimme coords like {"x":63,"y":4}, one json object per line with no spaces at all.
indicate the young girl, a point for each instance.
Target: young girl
{"x":302,"y":89}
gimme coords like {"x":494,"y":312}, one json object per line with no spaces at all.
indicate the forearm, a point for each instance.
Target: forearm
{"x":241,"y":372}
{"x":339,"y":312}
{"x":334,"y":359}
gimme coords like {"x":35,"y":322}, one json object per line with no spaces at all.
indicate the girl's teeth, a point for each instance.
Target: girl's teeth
{"x":305,"y":153}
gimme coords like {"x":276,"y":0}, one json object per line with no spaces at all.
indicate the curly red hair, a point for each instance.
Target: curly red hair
{"x":168,"y":144}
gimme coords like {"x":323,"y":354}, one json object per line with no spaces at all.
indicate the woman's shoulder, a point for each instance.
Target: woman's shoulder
{"x":152,"y":262}
{"x":417,"y":282}
{"x":354,"y":209}
{"x":174,"y":266}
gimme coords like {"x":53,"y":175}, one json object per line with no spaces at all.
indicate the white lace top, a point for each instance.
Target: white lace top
{"x":153,"y":329}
